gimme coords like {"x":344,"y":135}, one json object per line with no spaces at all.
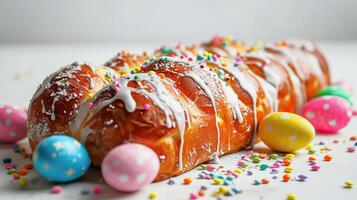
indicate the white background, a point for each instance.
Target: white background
{"x":139,"y":21}
{"x":38,"y":37}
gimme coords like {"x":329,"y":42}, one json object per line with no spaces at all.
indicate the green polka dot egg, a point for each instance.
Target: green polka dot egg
{"x":286,"y":132}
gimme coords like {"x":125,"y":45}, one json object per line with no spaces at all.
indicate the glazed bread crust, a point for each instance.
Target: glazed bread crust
{"x":189,"y":111}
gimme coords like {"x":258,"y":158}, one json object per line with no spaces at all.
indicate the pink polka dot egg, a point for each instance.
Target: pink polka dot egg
{"x":328,"y":114}
{"x":12,"y":124}
{"x":129,"y":167}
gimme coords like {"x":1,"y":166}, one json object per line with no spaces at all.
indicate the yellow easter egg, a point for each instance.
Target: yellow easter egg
{"x":286,"y":132}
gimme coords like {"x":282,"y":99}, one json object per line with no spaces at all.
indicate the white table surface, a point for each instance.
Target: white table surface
{"x":23,"y":67}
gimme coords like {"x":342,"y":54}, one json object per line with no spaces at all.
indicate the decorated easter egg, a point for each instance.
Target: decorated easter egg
{"x":286,"y":132}
{"x":61,"y":158}
{"x":335,"y":91}
{"x":12,"y":124}
{"x":129,"y":167}
{"x":327,"y":114}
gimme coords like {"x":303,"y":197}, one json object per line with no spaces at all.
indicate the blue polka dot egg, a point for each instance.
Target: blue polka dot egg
{"x":61,"y":158}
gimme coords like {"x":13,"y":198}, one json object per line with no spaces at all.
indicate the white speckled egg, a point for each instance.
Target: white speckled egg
{"x":129,"y":167}
{"x":12,"y":124}
{"x":328,"y":114}
{"x":286,"y":132}
{"x":60,"y":158}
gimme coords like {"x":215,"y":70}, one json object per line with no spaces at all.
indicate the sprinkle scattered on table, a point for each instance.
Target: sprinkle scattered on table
{"x":221,"y":180}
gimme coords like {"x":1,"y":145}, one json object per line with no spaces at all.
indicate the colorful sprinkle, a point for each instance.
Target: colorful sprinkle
{"x":289,"y":156}
{"x":288,"y":169}
{"x":265,"y":181}
{"x":15,"y":175}
{"x":256,"y":182}
{"x":187,"y":181}
{"x":291,"y":197}
{"x":85,"y":192}
{"x":263,"y":166}
{"x":315,"y":168}
{"x":287,"y":162}
{"x":166,"y":51}
{"x":217,"y":181}
{"x":349,"y":184}
{"x":201,"y":193}
{"x":11,"y":171}
{"x":273,"y":156}
{"x":199,"y":57}
{"x":256,"y":160}
{"x":203,"y":187}
{"x":29,"y":166}
{"x":286,"y":177}
{"x":10,"y":165}
{"x":23,"y":182}
{"x":238,"y":171}
{"x":210,"y":167}
{"x":193,"y":196}
{"x":302,"y":178}
{"x":153,"y":195}
{"x":275,"y":165}
{"x":6,"y":160}
{"x":351,"y":149}
{"x":23,"y":171}
{"x":90,"y":105}
{"x":312,"y":158}
{"x":327,"y":157}
{"x":222,"y":189}
{"x":147,"y":106}
{"x":171,"y":182}
{"x":353,"y":138}
{"x":56,"y":189}
{"x":97,"y":190}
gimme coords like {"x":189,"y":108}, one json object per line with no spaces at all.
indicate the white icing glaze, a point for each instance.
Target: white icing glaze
{"x":316,"y":69}
{"x":215,"y":159}
{"x":272,"y":77}
{"x":209,"y":94}
{"x":271,"y":90}
{"x":76,"y":123}
{"x":171,"y":82}
{"x":53,"y":116}
{"x":160,"y":97}
{"x":92,"y":83}
{"x":285,"y":51}
{"x":231,"y":96}
{"x":298,"y":87}
{"x":187,"y":120}
{"x":269,"y":73}
{"x":248,"y":87}
{"x":271,"y":93}
{"x":84,"y":134}
{"x":233,"y":101}
{"x":43,"y":106}
{"x":124,"y":94}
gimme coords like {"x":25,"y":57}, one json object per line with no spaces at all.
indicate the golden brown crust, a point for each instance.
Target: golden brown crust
{"x":57,"y":100}
{"x":211,"y":126}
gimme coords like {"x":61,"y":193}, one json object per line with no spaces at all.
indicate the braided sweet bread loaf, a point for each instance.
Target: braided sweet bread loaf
{"x":189,"y":104}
